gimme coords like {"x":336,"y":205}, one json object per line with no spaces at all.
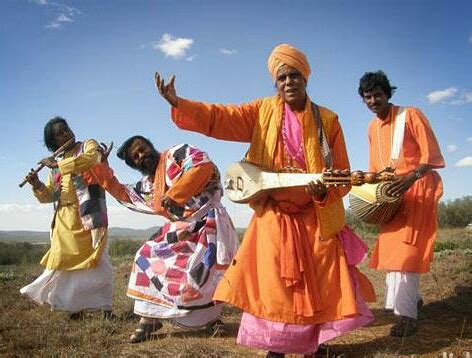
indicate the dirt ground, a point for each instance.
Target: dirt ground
{"x":28,"y":330}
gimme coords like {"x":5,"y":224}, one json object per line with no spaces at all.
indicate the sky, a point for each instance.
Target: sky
{"x":93,"y":62}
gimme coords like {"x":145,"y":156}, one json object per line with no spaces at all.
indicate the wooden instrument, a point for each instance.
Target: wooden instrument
{"x":372,"y":204}
{"x":59,"y":151}
{"x":245,"y":181}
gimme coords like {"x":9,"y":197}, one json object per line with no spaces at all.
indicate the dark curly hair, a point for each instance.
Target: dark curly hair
{"x":372,"y":80}
{"x":49,"y":140}
{"x":122,"y":152}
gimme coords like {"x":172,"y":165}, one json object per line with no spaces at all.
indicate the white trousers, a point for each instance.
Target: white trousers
{"x":403,"y":293}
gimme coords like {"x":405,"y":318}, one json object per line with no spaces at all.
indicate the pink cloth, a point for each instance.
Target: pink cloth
{"x":304,"y":339}
{"x":292,"y":136}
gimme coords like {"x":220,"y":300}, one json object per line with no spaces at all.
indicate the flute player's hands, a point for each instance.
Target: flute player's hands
{"x":33,"y":179}
{"x":49,"y":162}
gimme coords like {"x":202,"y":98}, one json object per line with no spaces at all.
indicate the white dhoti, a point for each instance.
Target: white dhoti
{"x":74,"y":291}
{"x":403,"y":293}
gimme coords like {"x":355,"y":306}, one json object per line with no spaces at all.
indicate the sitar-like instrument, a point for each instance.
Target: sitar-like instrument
{"x":245,"y":181}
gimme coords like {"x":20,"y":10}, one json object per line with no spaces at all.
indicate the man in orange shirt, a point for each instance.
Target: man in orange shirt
{"x":295,"y":275}
{"x":402,"y":139}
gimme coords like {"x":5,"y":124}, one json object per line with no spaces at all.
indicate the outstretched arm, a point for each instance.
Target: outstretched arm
{"x":228,"y":122}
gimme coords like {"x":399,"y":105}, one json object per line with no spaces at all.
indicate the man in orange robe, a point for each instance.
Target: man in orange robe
{"x":294,"y":275}
{"x":405,"y":244}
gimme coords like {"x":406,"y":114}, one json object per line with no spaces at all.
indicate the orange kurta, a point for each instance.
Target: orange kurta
{"x":253,"y":281}
{"x":406,"y":242}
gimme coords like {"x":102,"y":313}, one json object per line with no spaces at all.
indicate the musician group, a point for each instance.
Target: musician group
{"x":295,"y":274}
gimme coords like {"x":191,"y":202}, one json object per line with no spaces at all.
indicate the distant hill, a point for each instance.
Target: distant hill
{"x":114,"y":233}
{"x":29,"y":236}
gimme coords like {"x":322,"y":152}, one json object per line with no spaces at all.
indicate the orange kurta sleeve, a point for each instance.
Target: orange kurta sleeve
{"x":103,"y":174}
{"x":230,"y":122}
{"x":191,"y":183}
{"x":430,"y":153}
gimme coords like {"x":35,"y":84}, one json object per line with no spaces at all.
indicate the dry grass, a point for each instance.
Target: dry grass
{"x":446,"y":321}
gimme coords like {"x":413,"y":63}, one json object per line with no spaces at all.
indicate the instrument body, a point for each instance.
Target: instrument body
{"x":245,"y":182}
{"x":371,"y":203}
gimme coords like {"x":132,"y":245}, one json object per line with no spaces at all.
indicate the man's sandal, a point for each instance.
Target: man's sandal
{"x":404,"y":327}
{"x":144,"y":331}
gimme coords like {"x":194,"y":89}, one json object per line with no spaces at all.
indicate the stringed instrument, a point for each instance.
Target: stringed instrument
{"x":245,"y":181}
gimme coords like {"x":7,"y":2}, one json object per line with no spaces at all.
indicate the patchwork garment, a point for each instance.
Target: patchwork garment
{"x":92,"y":203}
{"x":179,"y":266}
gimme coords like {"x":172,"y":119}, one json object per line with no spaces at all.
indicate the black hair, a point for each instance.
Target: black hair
{"x":122,"y":152}
{"x":49,"y":140}
{"x":373,"y":80}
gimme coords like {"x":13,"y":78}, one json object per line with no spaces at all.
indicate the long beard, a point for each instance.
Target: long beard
{"x":150,"y":164}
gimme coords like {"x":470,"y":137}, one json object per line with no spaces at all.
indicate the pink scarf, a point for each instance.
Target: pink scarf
{"x":292,"y":135}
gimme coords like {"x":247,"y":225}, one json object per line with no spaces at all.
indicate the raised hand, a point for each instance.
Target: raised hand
{"x":105,"y":150}
{"x":49,"y":162}
{"x":167,"y":90}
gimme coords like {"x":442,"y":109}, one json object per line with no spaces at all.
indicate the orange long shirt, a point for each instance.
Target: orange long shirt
{"x":406,"y":242}
{"x":253,"y":281}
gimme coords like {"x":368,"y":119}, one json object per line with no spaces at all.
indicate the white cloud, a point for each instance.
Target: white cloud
{"x":451,"y":148}
{"x":173,"y":47}
{"x":441,"y":95}
{"x":59,"y":21}
{"x":63,"y":13}
{"x":464,"y":98}
{"x":469,"y":139}
{"x":227,"y":52}
{"x":190,"y":58}
{"x":470,"y":39}
{"x":64,"y":18}
{"x":464,"y":162}
{"x":53,"y":25}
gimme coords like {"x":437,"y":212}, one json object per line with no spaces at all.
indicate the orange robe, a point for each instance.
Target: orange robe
{"x":253,"y":282}
{"x":406,"y":243}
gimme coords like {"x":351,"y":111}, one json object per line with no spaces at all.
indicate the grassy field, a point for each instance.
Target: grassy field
{"x":28,"y":330}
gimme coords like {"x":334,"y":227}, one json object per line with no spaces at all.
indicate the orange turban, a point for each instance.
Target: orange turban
{"x":288,"y":55}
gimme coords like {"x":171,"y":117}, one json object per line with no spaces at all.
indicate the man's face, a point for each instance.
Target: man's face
{"x":143,"y":157}
{"x":291,"y":86}
{"x":377,"y":101}
{"x":62,"y":134}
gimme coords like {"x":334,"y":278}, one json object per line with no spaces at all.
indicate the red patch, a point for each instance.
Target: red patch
{"x":190,"y":294}
{"x":181,"y":261}
{"x":182,"y":247}
{"x":176,"y":276}
{"x":202,"y":238}
{"x":145,"y":251}
{"x":142,"y":280}
{"x":173,"y":289}
{"x":173,"y":171}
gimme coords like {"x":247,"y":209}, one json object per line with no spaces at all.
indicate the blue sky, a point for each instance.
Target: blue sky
{"x":93,"y":63}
